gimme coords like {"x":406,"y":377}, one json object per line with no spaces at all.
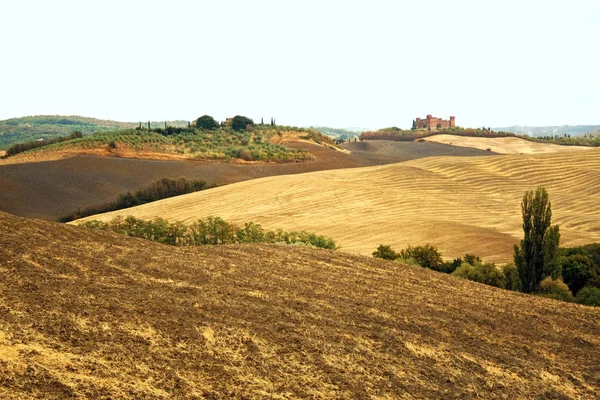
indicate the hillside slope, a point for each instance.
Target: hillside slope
{"x":467,"y":204}
{"x":503,"y":145}
{"x":24,"y":129}
{"x":536,"y":131}
{"x":52,"y":189}
{"x":93,"y":314}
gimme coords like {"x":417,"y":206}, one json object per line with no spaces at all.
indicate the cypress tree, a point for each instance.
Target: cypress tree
{"x":537,"y":256}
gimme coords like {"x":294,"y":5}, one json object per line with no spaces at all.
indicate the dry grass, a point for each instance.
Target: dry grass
{"x":52,"y":189}
{"x":469,"y":204}
{"x":503,"y":145}
{"x":89,"y":314}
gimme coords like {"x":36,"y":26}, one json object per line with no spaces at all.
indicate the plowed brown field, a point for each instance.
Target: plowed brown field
{"x":460,"y":205}
{"x":90,"y":314}
{"x":52,"y":189}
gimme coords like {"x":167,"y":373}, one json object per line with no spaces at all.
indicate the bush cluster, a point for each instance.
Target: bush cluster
{"x":580,"y":271}
{"x":469,"y":267}
{"x":22,"y":147}
{"x":207,"y":231}
{"x":161,"y":189}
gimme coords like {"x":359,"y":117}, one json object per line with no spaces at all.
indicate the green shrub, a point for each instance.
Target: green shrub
{"x":208,"y":231}
{"x":386,"y":252}
{"x":576,"y":271}
{"x":485,"y":273}
{"x":513,"y":281}
{"x":212,"y":230}
{"x":590,"y":296}
{"x":427,"y":256}
{"x":450,"y":266}
{"x":555,"y":289}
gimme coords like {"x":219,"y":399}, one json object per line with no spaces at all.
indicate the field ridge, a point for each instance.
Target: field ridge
{"x":461,"y":205}
{"x":93,"y":314}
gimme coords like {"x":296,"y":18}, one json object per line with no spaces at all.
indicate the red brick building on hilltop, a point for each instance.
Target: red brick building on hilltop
{"x":431,"y":122}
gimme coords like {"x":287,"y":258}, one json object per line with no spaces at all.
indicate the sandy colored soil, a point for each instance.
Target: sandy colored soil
{"x":54,"y":188}
{"x":90,"y":314}
{"x":460,"y":205}
{"x":504,"y":145}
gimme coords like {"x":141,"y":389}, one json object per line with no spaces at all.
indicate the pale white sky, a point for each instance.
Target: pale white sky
{"x":367,"y":64}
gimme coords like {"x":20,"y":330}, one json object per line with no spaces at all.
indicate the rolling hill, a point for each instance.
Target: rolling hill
{"x":16,"y":130}
{"x":469,"y":204}
{"x":91,"y":314}
{"x":51,"y":189}
{"x":503,"y":145}
{"x":25,"y":129}
{"x":536,"y":131}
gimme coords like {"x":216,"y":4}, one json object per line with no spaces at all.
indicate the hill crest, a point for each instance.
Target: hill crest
{"x":461,"y":205}
{"x":94,"y":314}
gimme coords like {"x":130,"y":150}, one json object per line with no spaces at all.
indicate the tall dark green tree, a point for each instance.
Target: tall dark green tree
{"x":206,"y":122}
{"x":240,"y":123}
{"x":537,"y":256}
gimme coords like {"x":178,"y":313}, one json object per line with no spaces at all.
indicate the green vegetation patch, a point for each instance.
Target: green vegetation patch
{"x":541,"y":267}
{"x":29,"y":129}
{"x":161,"y":189}
{"x":207,"y":231}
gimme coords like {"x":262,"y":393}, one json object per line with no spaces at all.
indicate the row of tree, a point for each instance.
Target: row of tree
{"x":207,"y":231}
{"x":34,"y":144}
{"x":161,"y":189}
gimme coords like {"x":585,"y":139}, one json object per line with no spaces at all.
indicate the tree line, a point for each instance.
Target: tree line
{"x":161,"y":189}
{"x":34,"y":144}
{"x":540,"y":265}
{"x":207,"y":231}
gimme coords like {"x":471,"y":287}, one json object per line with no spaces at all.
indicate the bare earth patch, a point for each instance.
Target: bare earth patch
{"x":90,"y":314}
{"x":504,"y":145}
{"x":54,"y":188}
{"x":467,"y":204}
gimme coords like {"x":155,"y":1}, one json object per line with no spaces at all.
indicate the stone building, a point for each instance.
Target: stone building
{"x":431,"y":122}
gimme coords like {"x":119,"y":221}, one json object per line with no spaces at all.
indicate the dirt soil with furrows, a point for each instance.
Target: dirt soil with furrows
{"x":91,"y":314}
{"x":51,"y":189}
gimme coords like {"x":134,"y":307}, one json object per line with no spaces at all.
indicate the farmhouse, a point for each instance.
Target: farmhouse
{"x":431,"y":122}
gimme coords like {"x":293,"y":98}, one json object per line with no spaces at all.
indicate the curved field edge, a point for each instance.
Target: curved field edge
{"x":93,"y":314}
{"x":460,"y":205}
{"x":503,"y":145}
{"x":52,"y":189}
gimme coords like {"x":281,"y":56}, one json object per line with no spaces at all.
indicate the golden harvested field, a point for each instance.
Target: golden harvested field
{"x":504,"y":145}
{"x":458,"y":204}
{"x":91,"y":314}
{"x":52,"y":189}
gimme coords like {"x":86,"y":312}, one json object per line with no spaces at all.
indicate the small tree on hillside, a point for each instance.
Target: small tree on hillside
{"x":537,"y":255}
{"x":240,"y":123}
{"x":426,"y":256}
{"x":386,"y":252}
{"x":206,"y":122}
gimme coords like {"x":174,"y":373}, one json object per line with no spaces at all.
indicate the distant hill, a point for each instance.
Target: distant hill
{"x":339,"y":133}
{"x":51,"y":189}
{"x":16,"y":130}
{"x":537,"y":131}
{"x":91,"y":314}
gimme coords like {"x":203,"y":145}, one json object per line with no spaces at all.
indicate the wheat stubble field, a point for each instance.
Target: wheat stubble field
{"x":458,"y":204}
{"x":92,"y":314}
{"x":503,"y":145}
